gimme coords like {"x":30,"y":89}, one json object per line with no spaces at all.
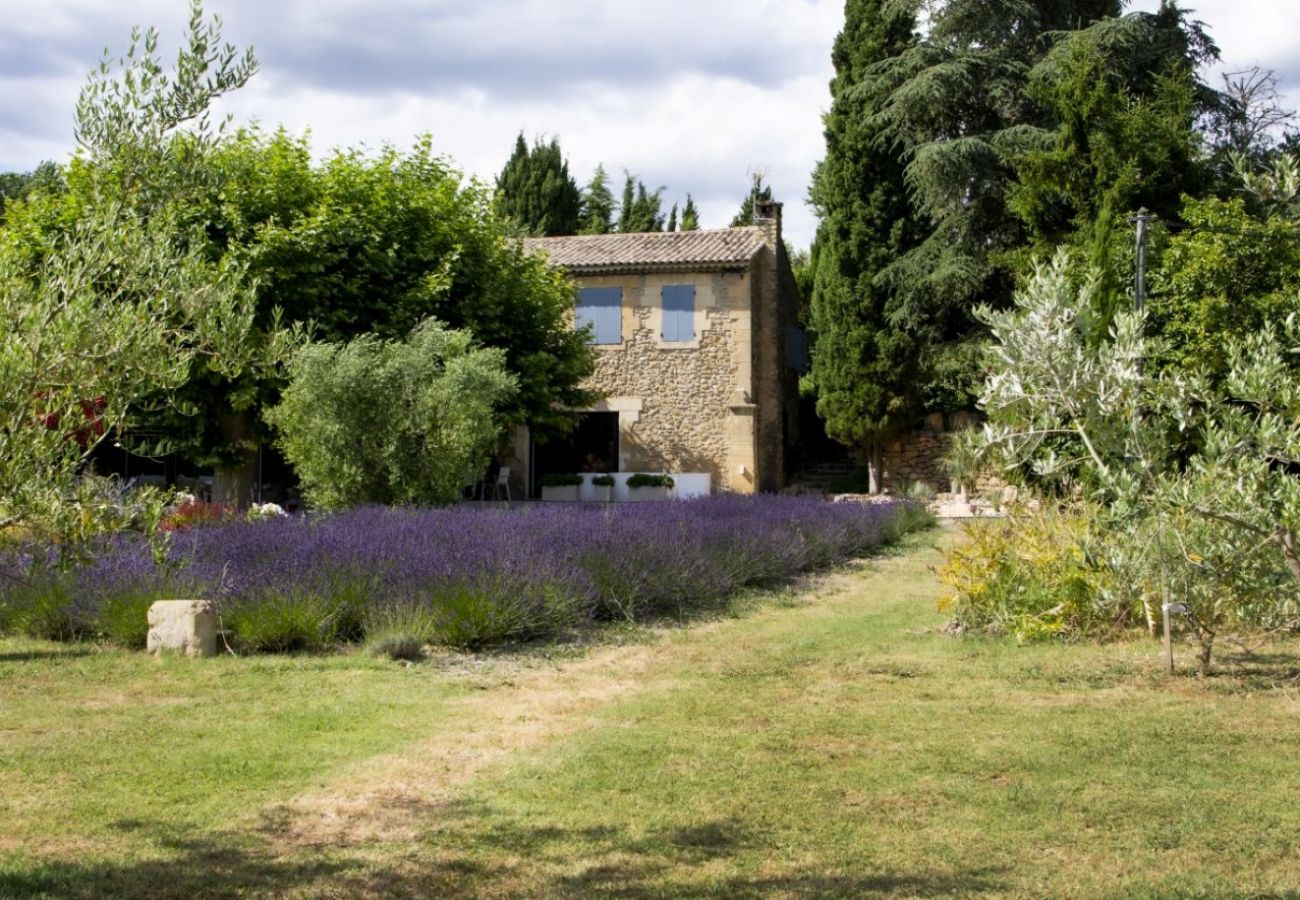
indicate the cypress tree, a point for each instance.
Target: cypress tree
{"x":640,"y":211}
{"x":597,"y":204}
{"x":627,"y":208}
{"x":690,"y":216}
{"x":672,"y":219}
{"x":757,"y":191}
{"x":536,"y":193}
{"x":865,"y":356}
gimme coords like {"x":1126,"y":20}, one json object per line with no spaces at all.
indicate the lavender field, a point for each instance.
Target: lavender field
{"x":462,"y":577}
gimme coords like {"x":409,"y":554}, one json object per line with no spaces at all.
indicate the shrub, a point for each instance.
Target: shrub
{"x":192,"y":511}
{"x":561,"y":480}
{"x":40,"y":610}
{"x":375,"y":421}
{"x":1033,"y":575}
{"x":124,"y":619}
{"x":278,"y":623}
{"x":643,"y":480}
{"x":396,"y":645}
{"x":603,"y":481}
{"x":398,"y":630}
{"x":468,"y":615}
{"x":1182,"y":467}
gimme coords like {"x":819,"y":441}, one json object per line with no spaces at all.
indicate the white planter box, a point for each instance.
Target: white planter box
{"x":640,"y":494}
{"x":603,"y":493}
{"x":565,"y":493}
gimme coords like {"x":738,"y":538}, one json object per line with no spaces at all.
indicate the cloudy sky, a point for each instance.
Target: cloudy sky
{"x":689,"y":94}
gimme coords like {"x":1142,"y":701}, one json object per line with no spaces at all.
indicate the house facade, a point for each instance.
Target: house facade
{"x":697,"y":355}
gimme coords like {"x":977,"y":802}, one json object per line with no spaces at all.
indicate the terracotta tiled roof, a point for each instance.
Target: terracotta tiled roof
{"x":721,"y":248}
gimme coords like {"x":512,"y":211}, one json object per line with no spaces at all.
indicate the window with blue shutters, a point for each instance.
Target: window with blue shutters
{"x":678,"y":312}
{"x":602,"y":309}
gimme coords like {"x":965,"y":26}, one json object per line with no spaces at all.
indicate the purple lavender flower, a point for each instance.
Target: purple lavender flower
{"x":464,"y":576}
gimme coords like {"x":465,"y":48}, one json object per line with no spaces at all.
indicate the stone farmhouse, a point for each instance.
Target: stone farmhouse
{"x":698,"y":358}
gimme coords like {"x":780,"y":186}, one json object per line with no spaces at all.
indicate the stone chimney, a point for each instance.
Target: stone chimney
{"x":767,"y":215}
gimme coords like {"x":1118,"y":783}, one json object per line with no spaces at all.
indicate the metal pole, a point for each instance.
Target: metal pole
{"x":1140,"y":295}
{"x":1169,"y":640}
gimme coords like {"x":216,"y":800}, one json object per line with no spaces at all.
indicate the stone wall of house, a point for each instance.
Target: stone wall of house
{"x":776,"y":386}
{"x":682,"y":407}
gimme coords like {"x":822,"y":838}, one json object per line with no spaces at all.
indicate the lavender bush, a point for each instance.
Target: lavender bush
{"x":462,"y":577}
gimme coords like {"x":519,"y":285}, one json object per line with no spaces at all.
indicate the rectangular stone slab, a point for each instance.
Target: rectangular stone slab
{"x":182,"y":626}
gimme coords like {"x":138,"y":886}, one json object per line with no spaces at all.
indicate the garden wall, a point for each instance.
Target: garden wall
{"x":919,"y":457}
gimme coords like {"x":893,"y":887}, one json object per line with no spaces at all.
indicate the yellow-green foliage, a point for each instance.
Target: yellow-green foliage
{"x":1030,"y":574}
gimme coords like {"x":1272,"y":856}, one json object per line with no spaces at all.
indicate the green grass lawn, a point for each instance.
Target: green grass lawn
{"x":828,"y":741}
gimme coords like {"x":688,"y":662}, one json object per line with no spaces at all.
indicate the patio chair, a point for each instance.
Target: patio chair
{"x":503,"y":481}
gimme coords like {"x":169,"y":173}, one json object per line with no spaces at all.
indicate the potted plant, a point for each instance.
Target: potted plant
{"x":604,"y":485}
{"x":561,"y":487}
{"x":649,"y":487}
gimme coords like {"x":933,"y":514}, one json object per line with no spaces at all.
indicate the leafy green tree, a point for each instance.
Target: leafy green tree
{"x":758,"y":192}
{"x":46,"y":177}
{"x":598,"y":204}
{"x":977,"y":94}
{"x":355,"y":244}
{"x":108,"y":315}
{"x":640,"y":210}
{"x":690,"y":216}
{"x":376,"y":421}
{"x":866,"y":350}
{"x":535,"y":192}
{"x":1227,"y":273}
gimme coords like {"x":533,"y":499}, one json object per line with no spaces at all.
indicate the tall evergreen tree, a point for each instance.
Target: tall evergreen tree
{"x":955,"y":103}
{"x":627,"y":208}
{"x":641,"y":208}
{"x":672,"y":219}
{"x":1126,"y":100}
{"x":690,"y":215}
{"x":866,"y":351}
{"x":597,"y":204}
{"x":535,"y":191}
{"x":758,"y":191}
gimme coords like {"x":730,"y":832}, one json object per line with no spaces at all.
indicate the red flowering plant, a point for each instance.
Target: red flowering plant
{"x":189,"y":511}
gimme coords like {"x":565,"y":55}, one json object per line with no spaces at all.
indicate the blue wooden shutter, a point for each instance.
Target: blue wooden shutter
{"x":602,"y":308}
{"x":679,"y":312}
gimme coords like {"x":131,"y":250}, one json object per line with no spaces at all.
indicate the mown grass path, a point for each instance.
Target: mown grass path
{"x":828,"y":742}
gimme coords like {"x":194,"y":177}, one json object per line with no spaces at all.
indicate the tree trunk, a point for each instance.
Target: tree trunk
{"x":875,"y":467}
{"x":1290,"y":552}
{"x":232,"y":485}
{"x":1207,"y":648}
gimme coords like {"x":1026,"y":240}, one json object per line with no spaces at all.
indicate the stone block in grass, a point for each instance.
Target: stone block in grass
{"x":182,"y":626}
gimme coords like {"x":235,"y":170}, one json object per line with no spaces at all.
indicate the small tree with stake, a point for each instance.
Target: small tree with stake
{"x":1199,"y":477}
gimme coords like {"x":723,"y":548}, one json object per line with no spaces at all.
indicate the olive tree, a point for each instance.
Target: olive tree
{"x":377,"y":421}
{"x":1198,"y":476}
{"x":115,"y":306}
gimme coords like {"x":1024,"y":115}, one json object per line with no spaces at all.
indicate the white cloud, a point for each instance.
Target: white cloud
{"x":683,"y":93}
{"x":1250,"y":33}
